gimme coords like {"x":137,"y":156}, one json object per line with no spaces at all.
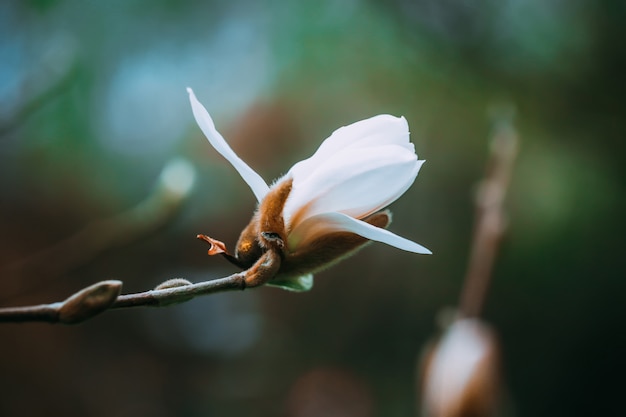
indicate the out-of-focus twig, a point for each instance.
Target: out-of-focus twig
{"x":461,"y":369}
{"x":34,"y":104}
{"x":490,"y":220}
{"x":171,"y":190}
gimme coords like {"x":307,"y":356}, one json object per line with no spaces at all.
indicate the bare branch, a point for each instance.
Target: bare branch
{"x":104,"y":295}
{"x":82,"y":305}
{"x":490,"y":220}
{"x":180,"y":294}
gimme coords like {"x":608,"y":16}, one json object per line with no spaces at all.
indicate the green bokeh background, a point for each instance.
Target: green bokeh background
{"x":93,"y":106}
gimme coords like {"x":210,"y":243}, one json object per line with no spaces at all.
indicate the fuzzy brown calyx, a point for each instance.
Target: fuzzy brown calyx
{"x":271,"y":226}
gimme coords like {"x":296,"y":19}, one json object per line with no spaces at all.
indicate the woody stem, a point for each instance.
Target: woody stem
{"x":104,"y":295}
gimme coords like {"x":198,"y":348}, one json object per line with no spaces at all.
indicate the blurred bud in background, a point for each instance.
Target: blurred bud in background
{"x":177,"y":178}
{"x":461,"y":373}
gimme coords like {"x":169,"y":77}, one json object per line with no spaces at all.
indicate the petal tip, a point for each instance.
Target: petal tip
{"x":417,"y":248}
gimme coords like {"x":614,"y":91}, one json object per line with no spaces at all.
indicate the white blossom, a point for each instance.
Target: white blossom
{"x":359,"y":170}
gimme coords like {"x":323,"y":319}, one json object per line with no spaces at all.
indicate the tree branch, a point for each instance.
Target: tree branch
{"x":179,"y":291}
{"x":105,"y":295}
{"x":82,"y":305}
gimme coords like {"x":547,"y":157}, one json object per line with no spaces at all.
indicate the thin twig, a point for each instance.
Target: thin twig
{"x":82,"y":305}
{"x":165,"y":296}
{"x":490,"y":219}
{"x":104,"y":295}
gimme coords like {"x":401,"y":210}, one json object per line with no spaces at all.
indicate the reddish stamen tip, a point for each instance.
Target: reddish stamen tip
{"x":216,"y":248}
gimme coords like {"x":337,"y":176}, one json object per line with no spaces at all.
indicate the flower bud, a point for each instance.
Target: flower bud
{"x":461,"y":372}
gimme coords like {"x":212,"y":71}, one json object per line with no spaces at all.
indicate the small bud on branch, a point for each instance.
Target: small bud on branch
{"x":104,"y":295}
{"x":89,"y":302}
{"x":81,"y":306}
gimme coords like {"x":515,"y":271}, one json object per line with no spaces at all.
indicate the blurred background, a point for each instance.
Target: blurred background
{"x":93,"y":109}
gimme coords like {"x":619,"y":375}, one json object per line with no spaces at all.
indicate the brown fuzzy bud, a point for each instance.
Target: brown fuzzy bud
{"x":89,"y":301}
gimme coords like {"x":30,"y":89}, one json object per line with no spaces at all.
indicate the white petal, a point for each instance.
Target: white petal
{"x":326,"y":223}
{"x":357,"y":182}
{"x":254,"y":180}
{"x":379,"y":130}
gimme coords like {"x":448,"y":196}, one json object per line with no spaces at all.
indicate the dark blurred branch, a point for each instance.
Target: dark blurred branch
{"x":460,"y":371}
{"x":169,"y":193}
{"x":104,"y":295}
{"x":37,"y":102}
{"x":490,"y":219}
{"x":173,"y":187}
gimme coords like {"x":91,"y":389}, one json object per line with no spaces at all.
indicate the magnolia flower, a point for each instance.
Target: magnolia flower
{"x":325,"y":207}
